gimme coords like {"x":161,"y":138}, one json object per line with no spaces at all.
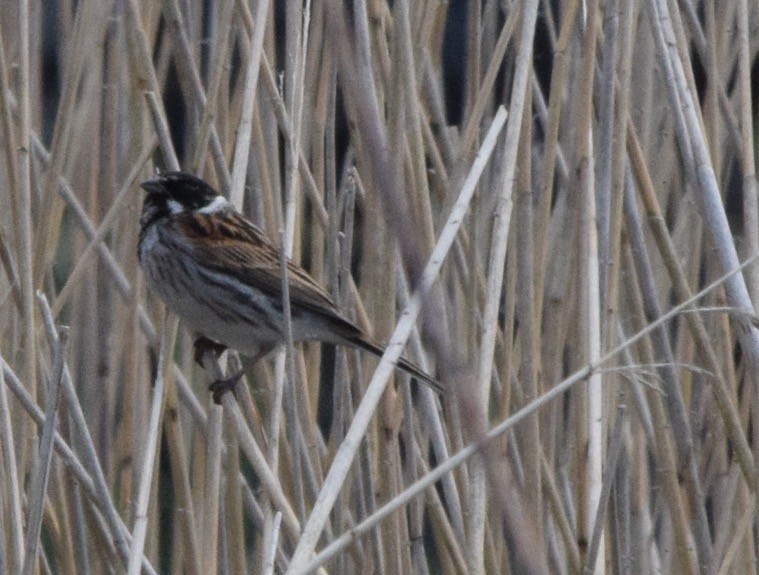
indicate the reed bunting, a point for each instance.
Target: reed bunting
{"x":222,"y":275}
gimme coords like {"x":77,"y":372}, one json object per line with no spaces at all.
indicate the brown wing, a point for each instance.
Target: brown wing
{"x":231,"y":244}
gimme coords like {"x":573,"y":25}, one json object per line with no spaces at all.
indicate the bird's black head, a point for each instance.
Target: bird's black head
{"x":174,"y":193}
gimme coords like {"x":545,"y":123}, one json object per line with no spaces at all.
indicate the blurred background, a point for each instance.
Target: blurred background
{"x":622,"y":184}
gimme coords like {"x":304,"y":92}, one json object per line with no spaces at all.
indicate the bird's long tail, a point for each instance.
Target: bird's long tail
{"x":403,"y":364}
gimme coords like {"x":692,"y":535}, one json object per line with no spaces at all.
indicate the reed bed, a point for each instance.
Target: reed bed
{"x":550,"y":205}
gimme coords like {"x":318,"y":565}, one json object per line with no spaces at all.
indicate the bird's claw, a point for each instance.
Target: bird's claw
{"x":221,"y":386}
{"x":203,"y":345}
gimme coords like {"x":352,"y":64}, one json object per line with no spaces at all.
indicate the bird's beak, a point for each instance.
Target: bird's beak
{"x":153,"y":186}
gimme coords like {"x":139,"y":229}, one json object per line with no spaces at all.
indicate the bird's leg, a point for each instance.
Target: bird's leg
{"x":219,"y":387}
{"x":222,"y":386}
{"x":203,"y":344}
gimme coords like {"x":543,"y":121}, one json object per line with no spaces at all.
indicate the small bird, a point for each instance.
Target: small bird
{"x":223,"y":277}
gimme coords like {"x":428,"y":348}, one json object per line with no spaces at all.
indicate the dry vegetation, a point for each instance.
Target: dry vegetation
{"x":588,"y":309}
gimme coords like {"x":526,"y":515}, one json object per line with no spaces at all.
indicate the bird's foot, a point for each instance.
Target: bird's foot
{"x":221,"y":386}
{"x":202,"y":345}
